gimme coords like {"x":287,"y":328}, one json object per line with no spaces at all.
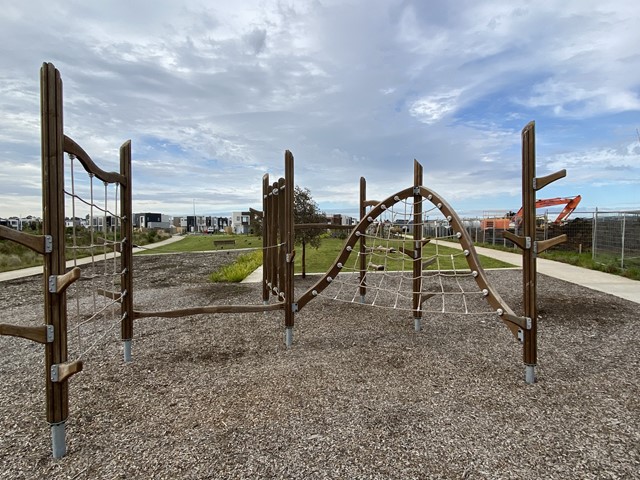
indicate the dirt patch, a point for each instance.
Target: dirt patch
{"x":360,"y":395}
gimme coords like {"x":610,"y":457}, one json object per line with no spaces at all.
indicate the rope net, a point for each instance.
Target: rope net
{"x":94,"y":239}
{"x":447,"y":285}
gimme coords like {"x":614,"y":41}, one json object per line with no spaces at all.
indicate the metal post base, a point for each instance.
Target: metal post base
{"x":362,"y":298}
{"x":288,"y":336}
{"x":58,"y":443}
{"x":417,"y":324}
{"x":127,"y":350}
{"x":530,"y":374}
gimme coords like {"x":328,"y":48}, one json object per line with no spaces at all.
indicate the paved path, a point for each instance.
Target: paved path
{"x":603,"y":282}
{"x":28,"y":272}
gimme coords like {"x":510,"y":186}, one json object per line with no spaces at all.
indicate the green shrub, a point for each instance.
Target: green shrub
{"x":240,"y":269}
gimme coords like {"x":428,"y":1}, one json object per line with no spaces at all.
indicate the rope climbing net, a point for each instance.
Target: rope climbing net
{"x":446,"y":283}
{"x":94,"y":240}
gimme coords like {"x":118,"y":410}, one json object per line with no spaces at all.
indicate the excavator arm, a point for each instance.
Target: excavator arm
{"x":570,"y":204}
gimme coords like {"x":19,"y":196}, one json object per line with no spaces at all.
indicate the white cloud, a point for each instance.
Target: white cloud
{"x":211,"y":94}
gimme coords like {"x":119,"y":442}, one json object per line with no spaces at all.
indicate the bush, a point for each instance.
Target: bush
{"x":240,"y":269}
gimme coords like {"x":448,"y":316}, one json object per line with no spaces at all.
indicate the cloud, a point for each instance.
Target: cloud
{"x":211,"y":94}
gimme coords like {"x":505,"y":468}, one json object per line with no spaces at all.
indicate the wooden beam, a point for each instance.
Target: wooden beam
{"x":63,"y":281}
{"x":541,"y":182}
{"x":36,"y":334}
{"x":547,"y":244}
{"x":83,"y":157}
{"x":520,"y":241}
{"x":33,"y":242}
{"x":185,"y":312}
{"x":66,"y":370}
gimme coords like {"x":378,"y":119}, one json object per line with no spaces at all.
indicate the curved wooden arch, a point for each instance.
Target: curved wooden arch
{"x":506,"y":314}
{"x":72,"y":148}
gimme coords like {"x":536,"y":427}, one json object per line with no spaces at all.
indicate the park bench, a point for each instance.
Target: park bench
{"x":221,"y":243}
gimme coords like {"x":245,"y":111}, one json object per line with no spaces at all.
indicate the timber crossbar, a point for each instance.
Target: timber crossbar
{"x":185,"y":312}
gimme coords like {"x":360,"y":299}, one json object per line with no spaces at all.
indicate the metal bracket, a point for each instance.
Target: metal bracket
{"x":529,"y":322}
{"x":48,"y":244}
{"x":416,"y":190}
{"x":534,"y":183}
{"x":527,"y":242}
{"x":50,"y":333}
{"x":535,"y":248}
{"x":520,"y":336}
{"x":52,"y":284}
{"x":55,"y":373}
{"x":294,"y":307}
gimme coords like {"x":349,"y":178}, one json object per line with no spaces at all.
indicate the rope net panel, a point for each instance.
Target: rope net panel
{"x":94,"y":240}
{"x":447,"y":284}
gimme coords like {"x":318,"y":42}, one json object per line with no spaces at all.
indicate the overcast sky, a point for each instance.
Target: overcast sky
{"x":211,"y":94}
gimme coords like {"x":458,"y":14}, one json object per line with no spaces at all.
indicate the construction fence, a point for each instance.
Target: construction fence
{"x":611,"y":237}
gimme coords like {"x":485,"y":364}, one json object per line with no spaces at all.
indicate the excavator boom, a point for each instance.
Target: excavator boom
{"x":570,"y":204}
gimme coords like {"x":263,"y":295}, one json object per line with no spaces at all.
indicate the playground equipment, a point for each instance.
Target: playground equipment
{"x":388,"y":238}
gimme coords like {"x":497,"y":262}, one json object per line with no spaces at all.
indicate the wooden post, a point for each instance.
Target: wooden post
{"x":54,"y":261}
{"x":289,"y":239}
{"x":417,"y":245}
{"x":126,"y":257}
{"x":363,"y":241}
{"x":529,"y":273}
{"x":266,"y":245}
{"x":275,"y":254}
{"x":282,"y":250}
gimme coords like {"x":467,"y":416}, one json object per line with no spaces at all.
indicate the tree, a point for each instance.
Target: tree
{"x":305,"y":210}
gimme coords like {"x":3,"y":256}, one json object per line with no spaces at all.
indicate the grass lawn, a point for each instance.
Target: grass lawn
{"x":319,"y":260}
{"x":200,"y":243}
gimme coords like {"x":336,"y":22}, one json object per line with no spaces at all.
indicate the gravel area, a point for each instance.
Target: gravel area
{"x":360,"y":394}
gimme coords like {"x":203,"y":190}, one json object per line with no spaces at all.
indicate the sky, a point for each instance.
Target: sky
{"x":212,"y":93}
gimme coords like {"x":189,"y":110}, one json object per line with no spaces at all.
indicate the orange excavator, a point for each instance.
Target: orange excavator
{"x":570,"y":204}
{"x":508,"y":222}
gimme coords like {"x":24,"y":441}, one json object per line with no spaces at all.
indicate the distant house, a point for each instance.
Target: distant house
{"x":339,"y":219}
{"x":241,"y":222}
{"x":151,"y":221}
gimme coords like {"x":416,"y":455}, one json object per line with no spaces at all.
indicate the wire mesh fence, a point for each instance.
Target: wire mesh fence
{"x":611,"y":237}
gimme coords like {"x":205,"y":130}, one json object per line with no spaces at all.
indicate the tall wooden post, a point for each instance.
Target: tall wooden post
{"x":363,"y":241}
{"x":530,"y":247}
{"x":417,"y":245}
{"x":266,"y":245}
{"x":126,"y":256}
{"x":54,"y":262}
{"x":289,"y":237}
{"x":529,"y":273}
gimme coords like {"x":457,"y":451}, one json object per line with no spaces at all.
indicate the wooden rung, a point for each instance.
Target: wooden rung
{"x":210,"y":309}
{"x":547,"y":244}
{"x":379,"y":268}
{"x":517,"y":239}
{"x":62,"y":282}
{"x":37,"y":243}
{"x":370,"y":203}
{"x":428,"y":262}
{"x":542,"y":182}
{"x":520,"y":321}
{"x":426,"y":296}
{"x":62,"y":371}
{"x":36,"y":334}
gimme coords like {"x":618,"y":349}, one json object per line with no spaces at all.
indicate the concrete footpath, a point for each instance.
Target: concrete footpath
{"x":600,"y":281}
{"x":28,"y":272}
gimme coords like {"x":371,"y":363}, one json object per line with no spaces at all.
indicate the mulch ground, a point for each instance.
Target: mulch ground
{"x":359,"y":395}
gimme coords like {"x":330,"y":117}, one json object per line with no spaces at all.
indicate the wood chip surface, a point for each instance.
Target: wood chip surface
{"x":359,"y":395}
